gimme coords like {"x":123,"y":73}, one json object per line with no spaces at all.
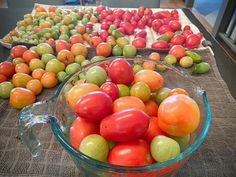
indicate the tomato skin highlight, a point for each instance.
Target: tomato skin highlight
{"x":124,"y":125}
{"x":134,"y":153}
{"x":88,"y":107}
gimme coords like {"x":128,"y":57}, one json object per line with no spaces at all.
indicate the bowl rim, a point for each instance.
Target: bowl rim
{"x":58,"y":133}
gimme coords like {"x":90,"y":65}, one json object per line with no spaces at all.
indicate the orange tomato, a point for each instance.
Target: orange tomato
{"x":79,"y":49}
{"x":94,"y":41}
{"x":80,"y":29}
{"x":35,"y":86}
{"x":128,"y":102}
{"x":37,"y":29}
{"x":66,"y":56}
{"x":21,"y":97}
{"x":20,"y":79}
{"x":86,"y":37}
{"x":153,"y":79}
{"x":22,"y":68}
{"x":49,"y":79}
{"x":178,"y":115}
{"x":103,"y":49}
{"x":93,"y":20}
{"x":176,"y":91}
{"x":40,"y":9}
{"x":154,"y":56}
{"x":151,"y":108}
{"x":45,"y":25}
{"x":79,"y":90}
{"x":149,"y":65}
{"x":38,"y":73}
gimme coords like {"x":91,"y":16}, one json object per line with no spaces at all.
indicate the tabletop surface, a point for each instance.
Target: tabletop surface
{"x":215,"y":157}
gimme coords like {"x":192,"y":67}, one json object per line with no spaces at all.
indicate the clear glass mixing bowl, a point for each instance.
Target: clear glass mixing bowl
{"x":55,"y":112}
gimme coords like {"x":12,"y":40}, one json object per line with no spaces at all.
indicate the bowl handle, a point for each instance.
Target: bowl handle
{"x":29,"y":116}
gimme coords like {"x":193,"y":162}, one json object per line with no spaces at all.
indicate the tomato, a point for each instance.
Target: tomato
{"x":139,"y":42}
{"x":89,"y":108}
{"x":160,"y":44}
{"x":80,"y":128}
{"x":94,"y":41}
{"x":153,"y":130}
{"x":178,"y":51}
{"x":21,"y":79}
{"x":141,"y":11}
{"x":121,"y":72}
{"x":66,"y":57}
{"x":178,"y":39}
{"x":152,"y":78}
{"x":175,"y":25}
{"x":17,"y":51}
{"x":178,"y":115}
{"x":192,"y":41}
{"x":61,"y":44}
{"x":29,"y":55}
{"x":185,"y":33}
{"x":21,"y":97}
{"x":176,"y":91}
{"x":111,"y":89}
{"x":156,"y":24}
{"x":77,"y":91}
{"x":103,"y":49}
{"x":79,"y":49}
{"x":127,"y":102}
{"x":3,"y":78}
{"x":164,"y":28}
{"x":76,"y":39}
{"x":125,"y":125}
{"x":140,"y":90}
{"x":49,"y":79}
{"x":22,"y":68}
{"x":151,"y":108}
{"x":187,"y":27}
{"x":134,"y":153}
{"x":169,"y":34}
{"x":7,"y":69}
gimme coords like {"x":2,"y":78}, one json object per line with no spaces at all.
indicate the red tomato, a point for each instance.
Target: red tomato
{"x":17,"y":51}
{"x":200,"y":35}
{"x":142,"y":34}
{"x":7,"y":69}
{"x":139,"y":42}
{"x":121,"y":72}
{"x":28,"y":55}
{"x":3,"y":78}
{"x":51,"y":42}
{"x":125,"y":125}
{"x":178,"y":40}
{"x":153,"y":130}
{"x":175,"y":25}
{"x":111,"y":89}
{"x":61,"y":44}
{"x":186,"y":27}
{"x":141,"y":10}
{"x":164,"y":28}
{"x":135,"y":153}
{"x":160,"y":44}
{"x":178,"y":51}
{"x":76,"y":39}
{"x":81,"y":128}
{"x":185,"y":33}
{"x":94,"y":106}
{"x":192,"y":41}
{"x":156,"y":24}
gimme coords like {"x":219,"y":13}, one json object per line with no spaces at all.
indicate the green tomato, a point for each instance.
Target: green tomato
{"x":122,"y":41}
{"x":182,"y":140}
{"x":161,"y":94}
{"x":96,"y":75}
{"x":201,"y":68}
{"x":72,"y":68}
{"x":137,"y":68}
{"x":164,"y":148}
{"x":5,"y":89}
{"x":97,"y":58}
{"x":170,"y":60}
{"x":117,"y":51}
{"x":85,"y":62}
{"x":36,"y":63}
{"x":123,"y":90}
{"x":47,"y":57}
{"x":95,"y":146}
{"x":129,"y":50}
{"x":140,"y":90}
{"x":186,"y":62}
{"x":79,"y":59}
{"x":61,"y":76}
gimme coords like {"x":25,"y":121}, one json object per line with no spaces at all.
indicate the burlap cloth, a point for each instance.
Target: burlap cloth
{"x":215,"y":157}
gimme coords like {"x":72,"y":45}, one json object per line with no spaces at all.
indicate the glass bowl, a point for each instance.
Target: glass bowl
{"x":55,"y":112}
